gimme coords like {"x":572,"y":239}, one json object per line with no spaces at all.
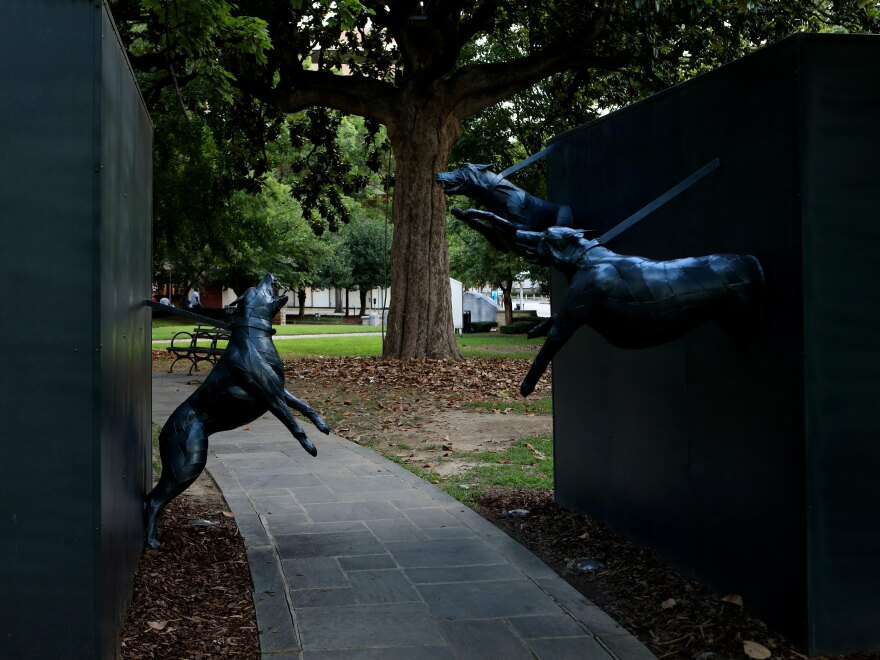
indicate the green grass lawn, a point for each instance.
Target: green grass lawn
{"x":495,"y":344}
{"x":478,"y":345}
{"x":471,"y":345}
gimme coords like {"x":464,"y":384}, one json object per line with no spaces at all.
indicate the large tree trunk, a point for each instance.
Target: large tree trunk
{"x":420,"y":316}
{"x":301,"y":298}
{"x":363,"y":293}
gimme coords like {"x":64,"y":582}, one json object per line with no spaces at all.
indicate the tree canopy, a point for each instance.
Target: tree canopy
{"x":421,"y":69}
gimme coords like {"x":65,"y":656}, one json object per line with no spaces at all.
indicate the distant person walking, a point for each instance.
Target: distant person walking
{"x":194,"y":299}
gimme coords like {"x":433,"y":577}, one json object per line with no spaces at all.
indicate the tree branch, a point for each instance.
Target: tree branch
{"x":479,"y":86}
{"x":357,"y":95}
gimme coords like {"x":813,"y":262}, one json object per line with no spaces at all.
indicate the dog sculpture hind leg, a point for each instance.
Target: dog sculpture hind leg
{"x":246,"y":382}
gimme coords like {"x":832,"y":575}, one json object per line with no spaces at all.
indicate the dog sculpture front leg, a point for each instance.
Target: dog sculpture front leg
{"x":305,"y":409}
{"x":586,"y":292}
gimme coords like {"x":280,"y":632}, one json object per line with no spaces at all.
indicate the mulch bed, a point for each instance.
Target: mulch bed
{"x":674,"y":617}
{"x":193,"y":598}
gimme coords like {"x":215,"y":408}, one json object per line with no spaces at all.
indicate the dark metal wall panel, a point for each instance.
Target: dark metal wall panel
{"x":696,"y":448}
{"x":753,"y":470}
{"x":126,"y":200}
{"x":48,"y":212}
{"x":74,"y":391}
{"x":841,"y":212}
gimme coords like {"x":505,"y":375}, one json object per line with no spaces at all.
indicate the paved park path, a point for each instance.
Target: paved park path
{"x":353,"y":557}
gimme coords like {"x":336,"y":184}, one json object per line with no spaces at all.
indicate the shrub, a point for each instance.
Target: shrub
{"x":519,"y":327}
{"x":483,"y":326}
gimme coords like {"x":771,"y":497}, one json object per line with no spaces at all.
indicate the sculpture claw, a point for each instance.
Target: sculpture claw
{"x":308,"y":445}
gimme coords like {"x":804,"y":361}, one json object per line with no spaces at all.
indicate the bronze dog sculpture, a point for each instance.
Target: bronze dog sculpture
{"x":503,"y":198}
{"x":633,"y":302}
{"x":246,"y":382}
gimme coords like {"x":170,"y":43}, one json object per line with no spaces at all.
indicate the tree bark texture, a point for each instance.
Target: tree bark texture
{"x":507,"y":301}
{"x":420,"y":316}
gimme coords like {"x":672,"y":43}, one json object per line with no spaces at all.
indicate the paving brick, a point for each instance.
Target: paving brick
{"x":546,"y":625}
{"x":326,"y":528}
{"x":346,"y":511}
{"x":382,"y":586}
{"x":387,"y":624}
{"x":483,"y":573}
{"x":284,"y":655}
{"x":366,"y":562}
{"x":626,"y":647}
{"x":252,"y":530}
{"x":445,"y":552}
{"x":285,"y":523}
{"x":260,"y":481}
{"x":450,"y":533}
{"x":265,"y":570}
{"x":365,"y":484}
{"x":277,"y":632}
{"x":432,"y":518}
{"x":310,"y":494}
{"x":395,"y":530}
{"x":277,"y":504}
{"x":400,"y":653}
{"x":304,"y":598}
{"x":469,"y":600}
{"x":570,"y":648}
{"x":479,"y":640}
{"x":295,"y":546}
{"x":313,"y":573}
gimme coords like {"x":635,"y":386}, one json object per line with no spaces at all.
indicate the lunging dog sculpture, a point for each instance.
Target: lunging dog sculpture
{"x":246,"y":382}
{"x":633,"y":302}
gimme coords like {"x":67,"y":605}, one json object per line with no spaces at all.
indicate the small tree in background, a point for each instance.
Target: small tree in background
{"x":369,"y":250}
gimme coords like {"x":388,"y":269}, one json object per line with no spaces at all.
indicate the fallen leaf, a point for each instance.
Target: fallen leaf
{"x":736,"y":599}
{"x":668,"y":603}
{"x":157,"y":625}
{"x":228,"y":514}
{"x":755,"y":650}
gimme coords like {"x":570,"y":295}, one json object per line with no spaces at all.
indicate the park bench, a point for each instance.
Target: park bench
{"x":185,"y":346}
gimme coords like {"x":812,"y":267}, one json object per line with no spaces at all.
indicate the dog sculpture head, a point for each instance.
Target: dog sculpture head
{"x":466,"y":180}
{"x":562,"y":246}
{"x":259,"y":301}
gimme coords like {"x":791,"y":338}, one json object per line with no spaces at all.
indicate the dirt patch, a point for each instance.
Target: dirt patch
{"x":458,"y":431}
{"x":420,"y":411}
